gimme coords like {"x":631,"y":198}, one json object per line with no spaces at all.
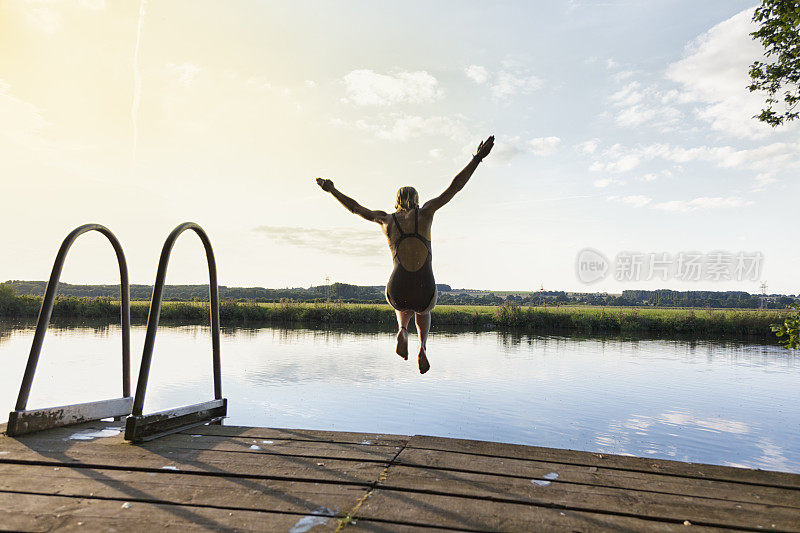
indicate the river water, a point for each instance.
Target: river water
{"x":724,"y":402}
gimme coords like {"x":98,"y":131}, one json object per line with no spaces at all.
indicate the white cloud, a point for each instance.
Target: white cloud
{"x":624,"y":163}
{"x":589,"y":147}
{"x":629,"y":95}
{"x":605,"y":182}
{"x":639,"y":114}
{"x":477,"y":73}
{"x":508,"y":83}
{"x":369,"y":88}
{"x":435,"y":153}
{"x":623,"y":75}
{"x":766,"y":158}
{"x":762,"y":180}
{"x":506,"y":149}
{"x":649,"y":177}
{"x":708,"y":84}
{"x":401,"y":127}
{"x":702,"y":203}
{"x":343,"y":241}
{"x":621,"y":163}
{"x":544,"y":145}
{"x":636,"y":200}
{"x":310,"y":83}
{"x":640,"y":104}
{"x":714,"y":75}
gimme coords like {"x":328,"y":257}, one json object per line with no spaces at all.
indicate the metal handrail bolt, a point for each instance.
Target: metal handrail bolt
{"x":22,"y":421}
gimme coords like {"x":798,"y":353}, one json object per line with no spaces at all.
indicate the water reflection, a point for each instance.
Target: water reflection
{"x":685,"y":436}
{"x":723,"y":402}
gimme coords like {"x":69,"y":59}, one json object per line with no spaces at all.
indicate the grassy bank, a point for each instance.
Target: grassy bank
{"x":705,"y":323}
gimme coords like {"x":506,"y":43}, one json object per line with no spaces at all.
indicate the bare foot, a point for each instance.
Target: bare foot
{"x":424,"y":365}
{"x":402,"y":343}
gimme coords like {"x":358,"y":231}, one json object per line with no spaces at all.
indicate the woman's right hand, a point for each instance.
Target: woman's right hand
{"x":326,"y":185}
{"x":485,"y":147}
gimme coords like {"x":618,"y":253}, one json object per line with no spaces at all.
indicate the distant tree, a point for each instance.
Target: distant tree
{"x":790,"y":329}
{"x":779,"y":21}
{"x":6,"y":293}
{"x":8,"y":300}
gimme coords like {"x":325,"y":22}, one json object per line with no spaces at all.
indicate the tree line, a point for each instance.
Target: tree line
{"x":344,"y":292}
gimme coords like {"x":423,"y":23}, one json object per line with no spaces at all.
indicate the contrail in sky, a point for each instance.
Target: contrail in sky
{"x":137,"y":79}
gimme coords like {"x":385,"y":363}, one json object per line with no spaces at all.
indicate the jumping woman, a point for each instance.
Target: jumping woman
{"x":411,"y":289}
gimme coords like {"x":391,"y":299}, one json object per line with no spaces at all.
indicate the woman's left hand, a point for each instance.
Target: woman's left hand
{"x":326,"y":185}
{"x":485,"y":147}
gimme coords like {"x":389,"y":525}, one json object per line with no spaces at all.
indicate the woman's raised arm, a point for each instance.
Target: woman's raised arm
{"x":350,"y":204}
{"x":462,"y":177}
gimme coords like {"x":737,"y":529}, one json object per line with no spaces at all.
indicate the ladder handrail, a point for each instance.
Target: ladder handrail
{"x":48,"y":302}
{"x":155,"y":313}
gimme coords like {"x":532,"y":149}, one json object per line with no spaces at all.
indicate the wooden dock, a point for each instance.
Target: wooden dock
{"x":260,"y":479}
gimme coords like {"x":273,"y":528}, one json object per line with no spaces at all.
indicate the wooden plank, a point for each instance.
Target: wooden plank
{"x":642,"y":464}
{"x":134,"y":487}
{"x":353,"y":451}
{"x":391,"y":527}
{"x":592,"y":475}
{"x":475,"y":515}
{"x":657,"y":506}
{"x":220,"y":463}
{"x":28,"y":512}
{"x":21,"y":422}
{"x":300,"y":434}
{"x":321,"y":449}
{"x":171,"y":487}
{"x":242,"y":432}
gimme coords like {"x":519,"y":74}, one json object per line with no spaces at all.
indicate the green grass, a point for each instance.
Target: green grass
{"x":701,"y":323}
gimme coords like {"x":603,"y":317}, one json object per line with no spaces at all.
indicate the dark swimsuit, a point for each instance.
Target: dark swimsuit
{"x":409,"y":290}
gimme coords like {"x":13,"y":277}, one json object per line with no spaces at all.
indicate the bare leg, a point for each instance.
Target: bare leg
{"x":423,"y":321}
{"x":403,"y":319}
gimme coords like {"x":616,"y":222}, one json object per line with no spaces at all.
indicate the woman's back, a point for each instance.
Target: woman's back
{"x":409,"y":236}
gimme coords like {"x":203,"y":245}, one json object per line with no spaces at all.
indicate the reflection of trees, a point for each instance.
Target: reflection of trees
{"x":511,"y":343}
{"x":99,"y":327}
{"x":9,"y":327}
{"x":6,"y":328}
{"x":511,"y":337}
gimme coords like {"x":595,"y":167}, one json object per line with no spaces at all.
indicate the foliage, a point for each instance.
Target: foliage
{"x":12,"y":305}
{"x":779,"y":22}
{"x":373,"y":294}
{"x":654,"y":321}
{"x":6,"y":293}
{"x":790,"y":329}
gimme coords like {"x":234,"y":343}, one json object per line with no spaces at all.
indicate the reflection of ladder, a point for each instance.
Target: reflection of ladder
{"x":138,"y":426}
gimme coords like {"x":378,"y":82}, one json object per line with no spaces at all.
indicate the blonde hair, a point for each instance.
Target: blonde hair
{"x":407,"y":198}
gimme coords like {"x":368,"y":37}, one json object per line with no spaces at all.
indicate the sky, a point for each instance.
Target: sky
{"x":624,"y":127}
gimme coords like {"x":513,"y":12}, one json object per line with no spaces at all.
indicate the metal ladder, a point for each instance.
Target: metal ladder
{"x":22,"y":420}
{"x":138,"y":427}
